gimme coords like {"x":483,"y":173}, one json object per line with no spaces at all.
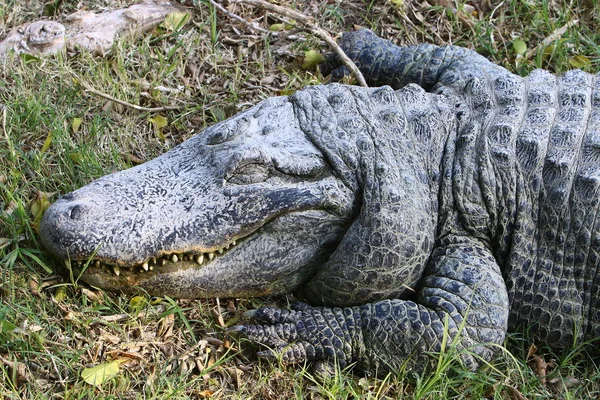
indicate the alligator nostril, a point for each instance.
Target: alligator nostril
{"x":75,"y":212}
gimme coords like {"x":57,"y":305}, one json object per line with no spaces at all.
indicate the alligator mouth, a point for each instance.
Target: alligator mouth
{"x":153,"y":263}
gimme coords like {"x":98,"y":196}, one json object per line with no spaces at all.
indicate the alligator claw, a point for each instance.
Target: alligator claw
{"x":267,"y":354}
{"x":236,"y":329}
{"x":299,"y":335}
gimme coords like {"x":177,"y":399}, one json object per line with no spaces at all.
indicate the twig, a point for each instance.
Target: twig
{"x":312,"y":28}
{"x":554,"y":36}
{"x":127,"y":104}
{"x":13,"y":154}
{"x":251,"y":25}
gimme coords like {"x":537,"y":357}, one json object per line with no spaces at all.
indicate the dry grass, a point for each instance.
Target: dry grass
{"x":52,"y":327}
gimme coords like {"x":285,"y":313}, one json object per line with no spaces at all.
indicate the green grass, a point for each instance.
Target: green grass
{"x":53,"y":327}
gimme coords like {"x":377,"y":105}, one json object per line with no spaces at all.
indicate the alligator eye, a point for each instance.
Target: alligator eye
{"x":248,"y":174}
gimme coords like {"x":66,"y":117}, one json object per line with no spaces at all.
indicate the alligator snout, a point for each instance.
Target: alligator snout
{"x":63,"y":230}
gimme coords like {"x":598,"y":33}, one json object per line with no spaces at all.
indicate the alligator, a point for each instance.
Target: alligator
{"x":447,"y":205}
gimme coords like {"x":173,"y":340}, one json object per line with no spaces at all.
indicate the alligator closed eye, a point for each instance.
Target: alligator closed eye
{"x":248,"y":174}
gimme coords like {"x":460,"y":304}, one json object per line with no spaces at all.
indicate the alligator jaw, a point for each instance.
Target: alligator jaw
{"x":177,"y":260}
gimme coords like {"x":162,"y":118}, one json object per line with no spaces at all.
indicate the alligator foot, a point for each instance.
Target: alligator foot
{"x":318,"y":335}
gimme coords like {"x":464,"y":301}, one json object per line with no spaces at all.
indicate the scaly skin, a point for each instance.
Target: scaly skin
{"x":398,"y":216}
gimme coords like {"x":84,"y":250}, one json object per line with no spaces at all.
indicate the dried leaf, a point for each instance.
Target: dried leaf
{"x":91,"y":295}
{"x":76,"y":124}
{"x":397,"y":4}
{"x":469,"y":10}
{"x":29,"y":58}
{"x":175,"y":21}
{"x":206,"y":394}
{"x":165,"y":329}
{"x":47,"y":143}
{"x":548,"y":50}
{"x":137,"y":303}
{"x":101,"y":373}
{"x":6,"y":327}
{"x":538,"y":363}
{"x":514,"y":393}
{"x":579,"y":61}
{"x":71,"y":316}
{"x":109,"y":337}
{"x":38,"y":207}
{"x":280,"y":27}
{"x":311,"y":59}
{"x":20,"y":374}
{"x":532,"y":350}
{"x":519,"y":46}
{"x":131,"y":158}
{"x":60,"y":294}
{"x":567,"y":383}
{"x":158,"y":123}
{"x":267,"y":80}
{"x":77,"y":158}
{"x":34,"y":286}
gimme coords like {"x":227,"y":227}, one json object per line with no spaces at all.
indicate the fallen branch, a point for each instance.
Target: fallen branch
{"x":312,"y":28}
{"x":125,"y":103}
{"x":554,"y":36}
{"x":83,"y":29}
{"x":231,"y":15}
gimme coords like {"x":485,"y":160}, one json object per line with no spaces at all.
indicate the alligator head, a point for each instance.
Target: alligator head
{"x":211,"y":217}
{"x":314,"y":191}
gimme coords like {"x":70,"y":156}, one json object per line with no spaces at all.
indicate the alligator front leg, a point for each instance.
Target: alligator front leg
{"x":462,"y":296}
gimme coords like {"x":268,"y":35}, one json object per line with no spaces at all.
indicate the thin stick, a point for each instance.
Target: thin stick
{"x":312,"y":28}
{"x":251,"y":25}
{"x":127,"y":104}
{"x":554,"y":36}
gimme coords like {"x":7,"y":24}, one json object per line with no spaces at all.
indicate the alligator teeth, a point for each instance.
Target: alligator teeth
{"x":154,"y":261}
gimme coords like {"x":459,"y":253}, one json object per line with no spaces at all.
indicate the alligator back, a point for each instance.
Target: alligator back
{"x":525,"y":178}
{"x":541,"y":146}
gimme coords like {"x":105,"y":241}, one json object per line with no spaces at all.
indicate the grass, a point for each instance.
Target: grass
{"x":55,"y":137}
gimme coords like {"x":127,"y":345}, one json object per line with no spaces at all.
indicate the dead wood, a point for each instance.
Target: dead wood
{"x":95,"y":32}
